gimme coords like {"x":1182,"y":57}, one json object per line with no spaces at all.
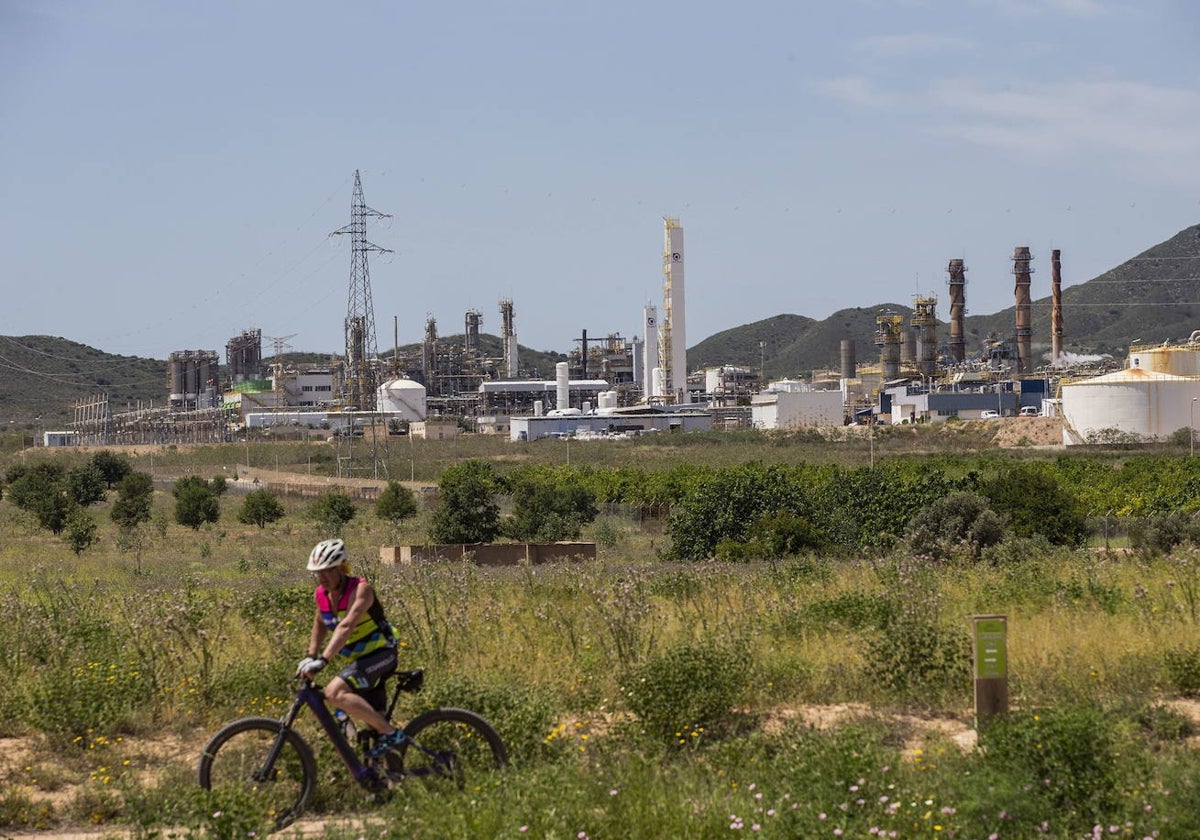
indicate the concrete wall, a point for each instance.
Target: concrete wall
{"x":489,"y":554}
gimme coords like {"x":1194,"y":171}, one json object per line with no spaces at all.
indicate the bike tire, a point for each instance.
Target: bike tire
{"x":464,"y":746}
{"x":234,"y":756}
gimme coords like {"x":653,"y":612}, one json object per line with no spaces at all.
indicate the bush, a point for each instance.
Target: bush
{"x":914,"y":654}
{"x":260,"y":507}
{"x":688,"y":689}
{"x":1183,"y":670}
{"x":521,"y":712}
{"x":135,"y":492}
{"x":195,"y":502}
{"x":1071,"y":756}
{"x":396,"y":503}
{"x":549,"y":511}
{"x":1034,"y":501}
{"x":332,"y":511}
{"x":1159,"y":533}
{"x":80,"y":531}
{"x":959,"y":521}
{"x":467,"y":513}
{"x":85,"y":485}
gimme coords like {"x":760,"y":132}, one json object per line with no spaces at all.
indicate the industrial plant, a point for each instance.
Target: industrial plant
{"x":610,"y":385}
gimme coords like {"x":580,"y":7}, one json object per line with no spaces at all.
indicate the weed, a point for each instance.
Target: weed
{"x":688,"y":689}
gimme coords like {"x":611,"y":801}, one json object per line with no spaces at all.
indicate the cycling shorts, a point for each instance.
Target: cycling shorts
{"x":366,"y":672}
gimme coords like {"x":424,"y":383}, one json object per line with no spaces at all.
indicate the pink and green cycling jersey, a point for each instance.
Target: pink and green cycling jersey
{"x":373,"y":631}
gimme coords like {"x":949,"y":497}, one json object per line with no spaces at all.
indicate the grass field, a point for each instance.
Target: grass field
{"x":807,"y":697}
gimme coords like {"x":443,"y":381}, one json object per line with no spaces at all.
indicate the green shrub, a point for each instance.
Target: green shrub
{"x":1072,"y":756}
{"x":914,"y":655}
{"x":958,"y":522}
{"x":195,"y":502}
{"x":688,"y":689}
{"x":260,"y":507}
{"x":1183,"y":670}
{"x":522,"y":713}
{"x":467,"y":513}
{"x":396,"y":503}
{"x":332,"y":511}
{"x":1159,"y":533}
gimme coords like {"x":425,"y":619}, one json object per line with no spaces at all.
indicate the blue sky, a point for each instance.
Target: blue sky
{"x":169,"y":172}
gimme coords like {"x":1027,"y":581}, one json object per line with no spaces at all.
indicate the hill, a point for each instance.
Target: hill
{"x":1154,"y":296}
{"x":44,"y":376}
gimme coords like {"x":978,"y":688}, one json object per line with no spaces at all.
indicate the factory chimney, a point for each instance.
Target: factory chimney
{"x":849,"y":364}
{"x":672,"y":340}
{"x":509,"y":338}
{"x":1023,"y":271}
{"x":1056,"y":322}
{"x":958,"y":309}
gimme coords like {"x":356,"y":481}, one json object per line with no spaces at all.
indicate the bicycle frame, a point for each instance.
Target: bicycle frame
{"x":311,"y":695}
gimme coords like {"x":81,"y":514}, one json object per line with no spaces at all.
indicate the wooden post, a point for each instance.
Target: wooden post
{"x":990,"y":637}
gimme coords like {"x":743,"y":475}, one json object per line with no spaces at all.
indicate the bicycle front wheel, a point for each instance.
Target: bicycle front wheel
{"x":449,"y":743}
{"x":242,"y":763}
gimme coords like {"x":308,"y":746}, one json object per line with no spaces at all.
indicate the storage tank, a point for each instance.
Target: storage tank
{"x":1179,"y":361}
{"x":1141,"y":403}
{"x":403,"y":398}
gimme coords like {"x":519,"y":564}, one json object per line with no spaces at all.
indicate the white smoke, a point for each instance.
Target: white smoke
{"x":1072,"y":359}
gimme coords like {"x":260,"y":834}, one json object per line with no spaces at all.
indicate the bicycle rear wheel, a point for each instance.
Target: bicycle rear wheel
{"x":449,"y":743}
{"x":236,"y":763}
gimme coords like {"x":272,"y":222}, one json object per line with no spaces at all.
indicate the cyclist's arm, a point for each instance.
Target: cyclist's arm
{"x":363,"y":599}
{"x":315,"y":641}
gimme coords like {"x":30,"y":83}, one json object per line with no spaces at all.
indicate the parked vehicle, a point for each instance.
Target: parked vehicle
{"x":1029,"y":411}
{"x":990,"y":414}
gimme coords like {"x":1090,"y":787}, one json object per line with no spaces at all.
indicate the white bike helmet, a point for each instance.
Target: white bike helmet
{"x":326,"y":555}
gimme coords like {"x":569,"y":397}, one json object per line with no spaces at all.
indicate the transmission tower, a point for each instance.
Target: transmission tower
{"x":360,"y":365}
{"x":280,"y":344}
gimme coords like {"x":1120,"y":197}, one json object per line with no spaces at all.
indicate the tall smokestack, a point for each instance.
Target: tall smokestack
{"x":1056,"y":324}
{"x":672,"y":337}
{"x":958,"y":309}
{"x":849,"y":365}
{"x":1023,"y":272}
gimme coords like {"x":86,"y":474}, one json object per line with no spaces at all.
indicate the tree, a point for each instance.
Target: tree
{"x":80,"y":530}
{"x":395,"y":503}
{"x":259,"y":508}
{"x":41,"y":492}
{"x":85,"y":484}
{"x":195,"y":502}
{"x":467,"y":513}
{"x":112,"y":467}
{"x":544,"y":510}
{"x":332,"y":511}
{"x":135,"y":493}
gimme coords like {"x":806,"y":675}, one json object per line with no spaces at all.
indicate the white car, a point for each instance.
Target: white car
{"x":989,"y":415}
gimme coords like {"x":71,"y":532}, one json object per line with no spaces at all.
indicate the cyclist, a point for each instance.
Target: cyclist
{"x":349,"y":621}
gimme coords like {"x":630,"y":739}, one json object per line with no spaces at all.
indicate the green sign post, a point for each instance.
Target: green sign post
{"x":990,"y":635}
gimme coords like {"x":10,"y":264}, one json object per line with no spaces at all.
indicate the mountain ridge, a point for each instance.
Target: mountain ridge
{"x":1153,"y":296}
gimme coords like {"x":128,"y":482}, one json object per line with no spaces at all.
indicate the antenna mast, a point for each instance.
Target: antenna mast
{"x":360,"y":366}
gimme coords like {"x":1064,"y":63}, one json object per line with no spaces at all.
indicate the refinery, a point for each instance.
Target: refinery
{"x":613,"y":386}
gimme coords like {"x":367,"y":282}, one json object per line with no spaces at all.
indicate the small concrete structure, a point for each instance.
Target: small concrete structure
{"x":489,"y":554}
{"x":789,"y":409}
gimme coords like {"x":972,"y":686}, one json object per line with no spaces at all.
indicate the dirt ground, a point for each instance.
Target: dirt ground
{"x":1027,"y":431}
{"x":19,"y":758}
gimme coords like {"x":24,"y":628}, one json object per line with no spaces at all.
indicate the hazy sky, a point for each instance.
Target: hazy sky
{"x":170,"y":172}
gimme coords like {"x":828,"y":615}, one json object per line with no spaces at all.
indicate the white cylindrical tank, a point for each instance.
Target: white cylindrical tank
{"x":657,"y":378}
{"x":403,"y":398}
{"x":1141,"y":403}
{"x":562,"y":378}
{"x":539,"y":408}
{"x":1180,"y":361}
{"x":714,"y":381}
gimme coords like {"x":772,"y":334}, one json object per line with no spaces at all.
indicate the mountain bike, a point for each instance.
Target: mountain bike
{"x":267,"y":762}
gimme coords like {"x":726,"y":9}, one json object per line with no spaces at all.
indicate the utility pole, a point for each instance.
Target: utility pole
{"x":358,"y":382}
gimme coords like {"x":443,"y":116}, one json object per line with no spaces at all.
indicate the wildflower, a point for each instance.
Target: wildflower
{"x":612,"y":792}
{"x":523,"y":829}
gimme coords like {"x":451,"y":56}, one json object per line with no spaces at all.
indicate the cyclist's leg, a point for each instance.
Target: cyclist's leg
{"x":343,"y":691}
